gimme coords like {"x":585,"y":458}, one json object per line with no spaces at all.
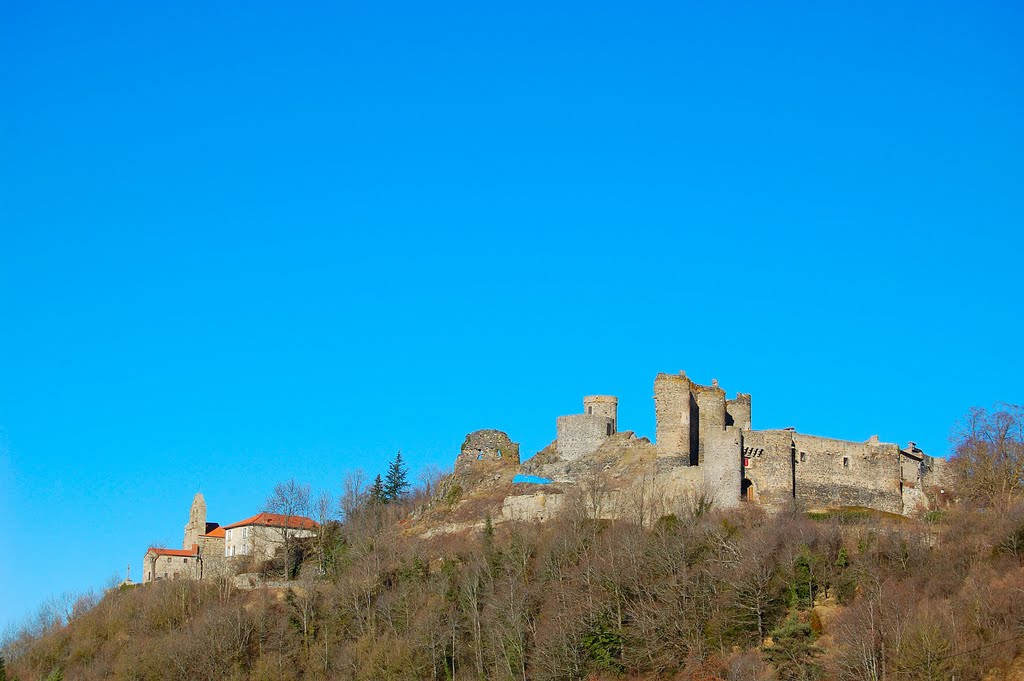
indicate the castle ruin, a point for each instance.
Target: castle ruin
{"x":706,"y":442}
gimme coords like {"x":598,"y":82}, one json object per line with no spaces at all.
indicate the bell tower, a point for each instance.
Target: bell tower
{"x":196,"y":522}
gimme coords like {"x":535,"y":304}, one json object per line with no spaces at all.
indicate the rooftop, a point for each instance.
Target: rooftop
{"x":188,"y":553}
{"x":276,"y":520}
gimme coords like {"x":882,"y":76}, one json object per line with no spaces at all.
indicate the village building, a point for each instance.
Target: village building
{"x":261,"y":535}
{"x":207,"y":548}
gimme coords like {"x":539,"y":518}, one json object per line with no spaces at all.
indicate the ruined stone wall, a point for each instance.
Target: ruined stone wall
{"x":672,"y":415}
{"x":603,"y":405}
{"x":936,"y":481}
{"x":935,"y":472}
{"x":484,"y":449}
{"x":581,"y":434}
{"x":737,"y":412}
{"x":911,"y":469}
{"x":833,"y":473}
{"x":768,"y":468}
{"x":710,"y":402}
{"x":722,"y":465}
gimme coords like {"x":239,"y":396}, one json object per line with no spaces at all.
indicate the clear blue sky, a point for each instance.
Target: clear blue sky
{"x":245,"y":241}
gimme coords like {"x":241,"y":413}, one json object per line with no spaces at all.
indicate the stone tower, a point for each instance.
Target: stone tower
{"x":672,"y":408}
{"x":737,"y":412}
{"x":603,"y":405}
{"x":196,"y":521}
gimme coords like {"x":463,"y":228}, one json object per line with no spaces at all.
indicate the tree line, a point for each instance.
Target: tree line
{"x":696,"y":594}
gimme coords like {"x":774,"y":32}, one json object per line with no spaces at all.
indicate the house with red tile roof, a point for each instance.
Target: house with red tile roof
{"x":159,"y":564}
{"x":261,"y":535}
{"x":209,"y":550}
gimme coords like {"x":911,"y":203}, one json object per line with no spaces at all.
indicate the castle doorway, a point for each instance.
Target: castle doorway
{"x":747,"y":491}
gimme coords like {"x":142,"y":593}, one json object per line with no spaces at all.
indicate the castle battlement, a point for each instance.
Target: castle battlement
{"x":709,"y":440}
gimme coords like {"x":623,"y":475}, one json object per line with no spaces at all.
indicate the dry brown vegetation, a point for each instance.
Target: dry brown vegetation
{"x":700,"y":595}
{"x":717,"y":596}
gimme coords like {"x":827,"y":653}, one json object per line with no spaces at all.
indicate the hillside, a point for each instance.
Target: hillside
{"x":587,"y":568}
{"x":697,"y":594}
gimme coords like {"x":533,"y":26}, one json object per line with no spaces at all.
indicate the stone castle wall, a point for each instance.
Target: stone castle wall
{"x":833,"y":472}
{"x":582,"y":434}
{"x":722,"y":465}
{"x":768,"y":467}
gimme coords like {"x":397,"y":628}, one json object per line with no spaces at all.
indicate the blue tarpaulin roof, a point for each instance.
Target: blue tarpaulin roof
{"x":532,"y":479}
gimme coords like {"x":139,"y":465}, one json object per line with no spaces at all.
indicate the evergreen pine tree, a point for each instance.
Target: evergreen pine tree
{"x":396,"y":484}
{"x":376,"y":495}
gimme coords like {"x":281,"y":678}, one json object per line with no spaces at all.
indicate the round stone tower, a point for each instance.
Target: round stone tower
{"x":603,"y":405}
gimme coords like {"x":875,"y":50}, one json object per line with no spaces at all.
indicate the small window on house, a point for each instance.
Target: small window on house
{"x":803,"y":457}
{"x":590,"y":410}
{"x":846,"y":462}
{"x":608,"y":429}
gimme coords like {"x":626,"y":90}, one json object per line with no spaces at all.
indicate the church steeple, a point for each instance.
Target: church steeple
{"x":196,"y":522}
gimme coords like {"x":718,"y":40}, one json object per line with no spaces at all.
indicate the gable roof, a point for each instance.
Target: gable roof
{"x":186,"y":553}
{"x":299,"y":522}
{"x":216,"y":533}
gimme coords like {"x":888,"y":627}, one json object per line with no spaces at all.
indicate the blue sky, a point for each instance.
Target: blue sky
{"x":246,"y":241}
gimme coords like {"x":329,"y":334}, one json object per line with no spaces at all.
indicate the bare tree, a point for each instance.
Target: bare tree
{"x":291,"y":501}
{"x":988,"y":454}
{"x":429,"y":477}
{"x":324,"y":515}
{"x":353,"y":494}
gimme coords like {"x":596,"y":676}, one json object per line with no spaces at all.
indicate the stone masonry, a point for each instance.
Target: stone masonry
{"x":486,"y":449}
{"x":699,"y":429}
